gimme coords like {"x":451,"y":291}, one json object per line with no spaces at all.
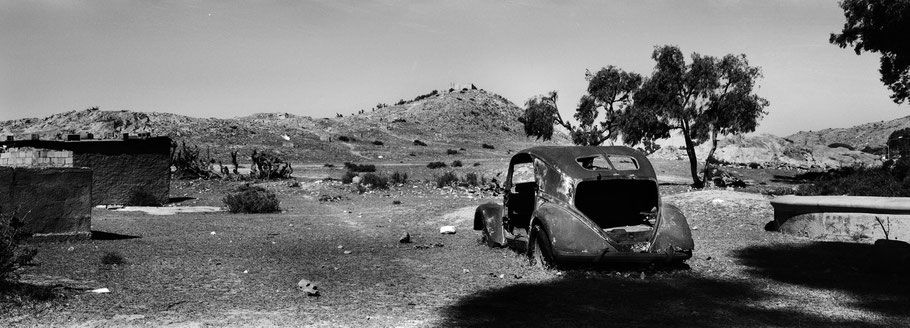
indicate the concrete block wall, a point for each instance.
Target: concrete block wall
{"x":50,"y":201}
{"x":36,"y":157}
{"x":121,"y":168}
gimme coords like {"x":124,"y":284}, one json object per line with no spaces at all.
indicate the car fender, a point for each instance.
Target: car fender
{"x":489,"y":215}
{"x":569,"y":235}
{"x":673,"y":233}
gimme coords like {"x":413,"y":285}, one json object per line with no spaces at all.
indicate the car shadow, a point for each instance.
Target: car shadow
{"x":101,"y":235}
{"x":682,"y":299}
{"x":839,"y":266}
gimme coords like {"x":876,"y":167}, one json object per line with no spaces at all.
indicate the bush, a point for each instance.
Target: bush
{"x":858,"y":182}
{"x":436,"y":165}
{"x":328,"y":165}
{"x":188,"y":164}
{"x":486,"y":146}
{"x":375,"y":181}
{"x":472,"y":180}
{"x":457,"y":163}
{"x":447,"y":179}
{"x":12,"y":255}
{"x":399,"y":120}
{"x":451,"y":152}
{"x":348,"y":177}
{"x":378,"y":143}
{"x":344,"y":139}
{"x":360,"y":167}
{"x":399,"y":177}
{"x":142,"y":197}
{"x":252,"y":199}
{"x":267,"y":166}
{"x":419,"y":143}
{"x":841,"y":145}
{"x":112,"y":258}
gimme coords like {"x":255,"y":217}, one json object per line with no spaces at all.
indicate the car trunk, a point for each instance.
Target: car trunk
{"x":625,"y":209}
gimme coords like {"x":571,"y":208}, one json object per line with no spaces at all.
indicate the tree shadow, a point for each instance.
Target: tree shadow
{"x":101,"y":235}
{"x":17,"y":298}
{"x":833,"y":266}
{"x":175,"y":200}
{"x":789,"y":179}
{"x":674,"y":300}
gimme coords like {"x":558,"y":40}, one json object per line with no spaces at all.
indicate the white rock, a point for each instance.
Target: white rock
{"x":100,"y":291}
{"x":447,"y":230}
{"x":310,"y":287}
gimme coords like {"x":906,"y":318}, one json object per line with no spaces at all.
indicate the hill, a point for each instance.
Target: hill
{"x":873,"y":134}
{"x":453,"y":119}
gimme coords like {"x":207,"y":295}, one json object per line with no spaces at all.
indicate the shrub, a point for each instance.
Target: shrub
{"x":399,"y":120}
{"x":188,"y":164}
{"x":348,"y":177}
{"x":360,"y":167}
{"x":375,"y":181}
{"x":451,"y":152}
{"x":472,"y":180}
{"x":378,"y":143}
{"x":457,"y":163}
{"x":328,"y":165}
{"x":344,"y":139}
{"x":858,"y":182}
{"x":476,"y":164}
{"x":841,"y":145}
{"x":112,"y":258}
{"x":142,"y":197}
{"x":399,"y":177}
{"x":252,"y":199}
{"x":267,"y":166}
{"x":12,"y":255}
{"x":486,"y":146}
{"x":401,"y":102}
{"x":436,"y":165}
{"x":447,"y":179}
{"x":419,"y":143}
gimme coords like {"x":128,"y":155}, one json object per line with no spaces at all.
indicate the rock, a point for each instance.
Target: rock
{"x":355,"y":180}
{"x":100,"y":291}
{"x":348,"y":252}
{"x":311,"y":288}
{"x":447,"y":230}
{"x":405,"y":239}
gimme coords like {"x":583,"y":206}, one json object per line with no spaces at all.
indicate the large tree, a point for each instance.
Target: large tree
{"x":881,"y":26}
{"x":609,"y":91}
{"x":701,"y":100}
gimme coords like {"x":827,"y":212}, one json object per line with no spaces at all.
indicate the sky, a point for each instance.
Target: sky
{"x":317,"y":58}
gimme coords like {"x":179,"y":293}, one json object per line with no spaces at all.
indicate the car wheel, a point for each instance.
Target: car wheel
{"x":540,"y":254}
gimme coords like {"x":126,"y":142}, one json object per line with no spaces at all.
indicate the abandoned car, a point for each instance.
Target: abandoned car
{"x":584,"y":204}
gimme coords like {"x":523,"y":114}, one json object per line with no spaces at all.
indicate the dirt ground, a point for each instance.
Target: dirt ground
{"x":221,"y":269}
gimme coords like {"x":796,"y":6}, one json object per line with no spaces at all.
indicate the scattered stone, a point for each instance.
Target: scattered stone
{"x":396,"y":202}
{"x":405,"y":239}
{"x":311,"y":288}
{"x":447,"y":230}
{"x":348,"y":252}
{"x":212,"y":233}
{"x":100,"y":291}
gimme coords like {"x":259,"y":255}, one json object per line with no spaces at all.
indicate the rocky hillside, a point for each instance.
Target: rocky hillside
{"x":444,"y":120}
{"x":870,"y":134}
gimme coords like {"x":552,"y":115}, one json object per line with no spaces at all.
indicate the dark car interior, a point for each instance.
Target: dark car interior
{"x":617,"y":203}
{"x":520,"y":197}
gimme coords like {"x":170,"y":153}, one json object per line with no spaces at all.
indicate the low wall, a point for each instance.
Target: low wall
{"x":122,"y":168}
{"x":31,"y":157}
{"x":843,"y":217}
{"x":52,"y":202}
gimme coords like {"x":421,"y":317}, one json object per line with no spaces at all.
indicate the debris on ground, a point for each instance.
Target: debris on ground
{"x":311,"y":288}
{"x":100,"y":291}
{"x":447,"y":230}
{"x":405,"y":239}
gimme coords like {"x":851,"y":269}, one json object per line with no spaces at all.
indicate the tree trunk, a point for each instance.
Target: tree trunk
{"x":693,"y":161}
{"x":710,"y":156}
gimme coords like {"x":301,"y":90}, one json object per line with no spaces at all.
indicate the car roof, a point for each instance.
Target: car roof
{"x":564,"y":158}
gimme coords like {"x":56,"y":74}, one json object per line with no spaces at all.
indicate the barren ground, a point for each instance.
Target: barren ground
{"x":241,"y":270}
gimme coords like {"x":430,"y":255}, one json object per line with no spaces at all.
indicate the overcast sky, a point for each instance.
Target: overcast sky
{"x":318,"y":58}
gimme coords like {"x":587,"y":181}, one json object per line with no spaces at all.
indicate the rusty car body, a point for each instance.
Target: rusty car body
{"x":584,"y":204}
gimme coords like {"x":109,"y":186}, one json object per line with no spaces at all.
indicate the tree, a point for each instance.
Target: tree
{"x":702,"y":99}
{"x":880,"y":26}
{"x":609,"y":90}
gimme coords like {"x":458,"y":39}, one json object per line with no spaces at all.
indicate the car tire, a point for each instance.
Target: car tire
{"x":540,"y":252}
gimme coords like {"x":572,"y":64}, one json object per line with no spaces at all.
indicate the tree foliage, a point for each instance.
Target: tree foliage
{"x":881,"y":26}
{"x":701,"y":99}
{"x":609,"y":91}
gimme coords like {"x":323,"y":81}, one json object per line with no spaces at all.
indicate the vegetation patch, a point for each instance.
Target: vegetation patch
{"x":378,"y":143}
{"x":374,"y":181}
{"x":353,"y":167}
{"x":252,"y":199}
{"x":12,"y":254}
{"x":348,"y":177}
{"x":399,"y":177}
{"x":419,"y":143}
{"x":488,"y":146}
{"x":451,"y":152}
{"x":886,"y":181}
{"x":457,"y":163}
{"x":447,"y":179}
{"x":436,"y":165}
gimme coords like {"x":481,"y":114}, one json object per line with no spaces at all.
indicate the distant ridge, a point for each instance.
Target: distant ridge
{"x":873,"y":134}
{"x":465,"y":118}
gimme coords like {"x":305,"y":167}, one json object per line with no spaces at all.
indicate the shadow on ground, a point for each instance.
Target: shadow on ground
{"x":175,"y":200}
{"x":832,"y":266}
{"x":101,"y":235}
{"x":677,"y":300}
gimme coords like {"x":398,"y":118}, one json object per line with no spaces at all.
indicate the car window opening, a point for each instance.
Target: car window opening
{"x":625,"y":209}
{"x":522,"y":195}
{"x":593,"y":163}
